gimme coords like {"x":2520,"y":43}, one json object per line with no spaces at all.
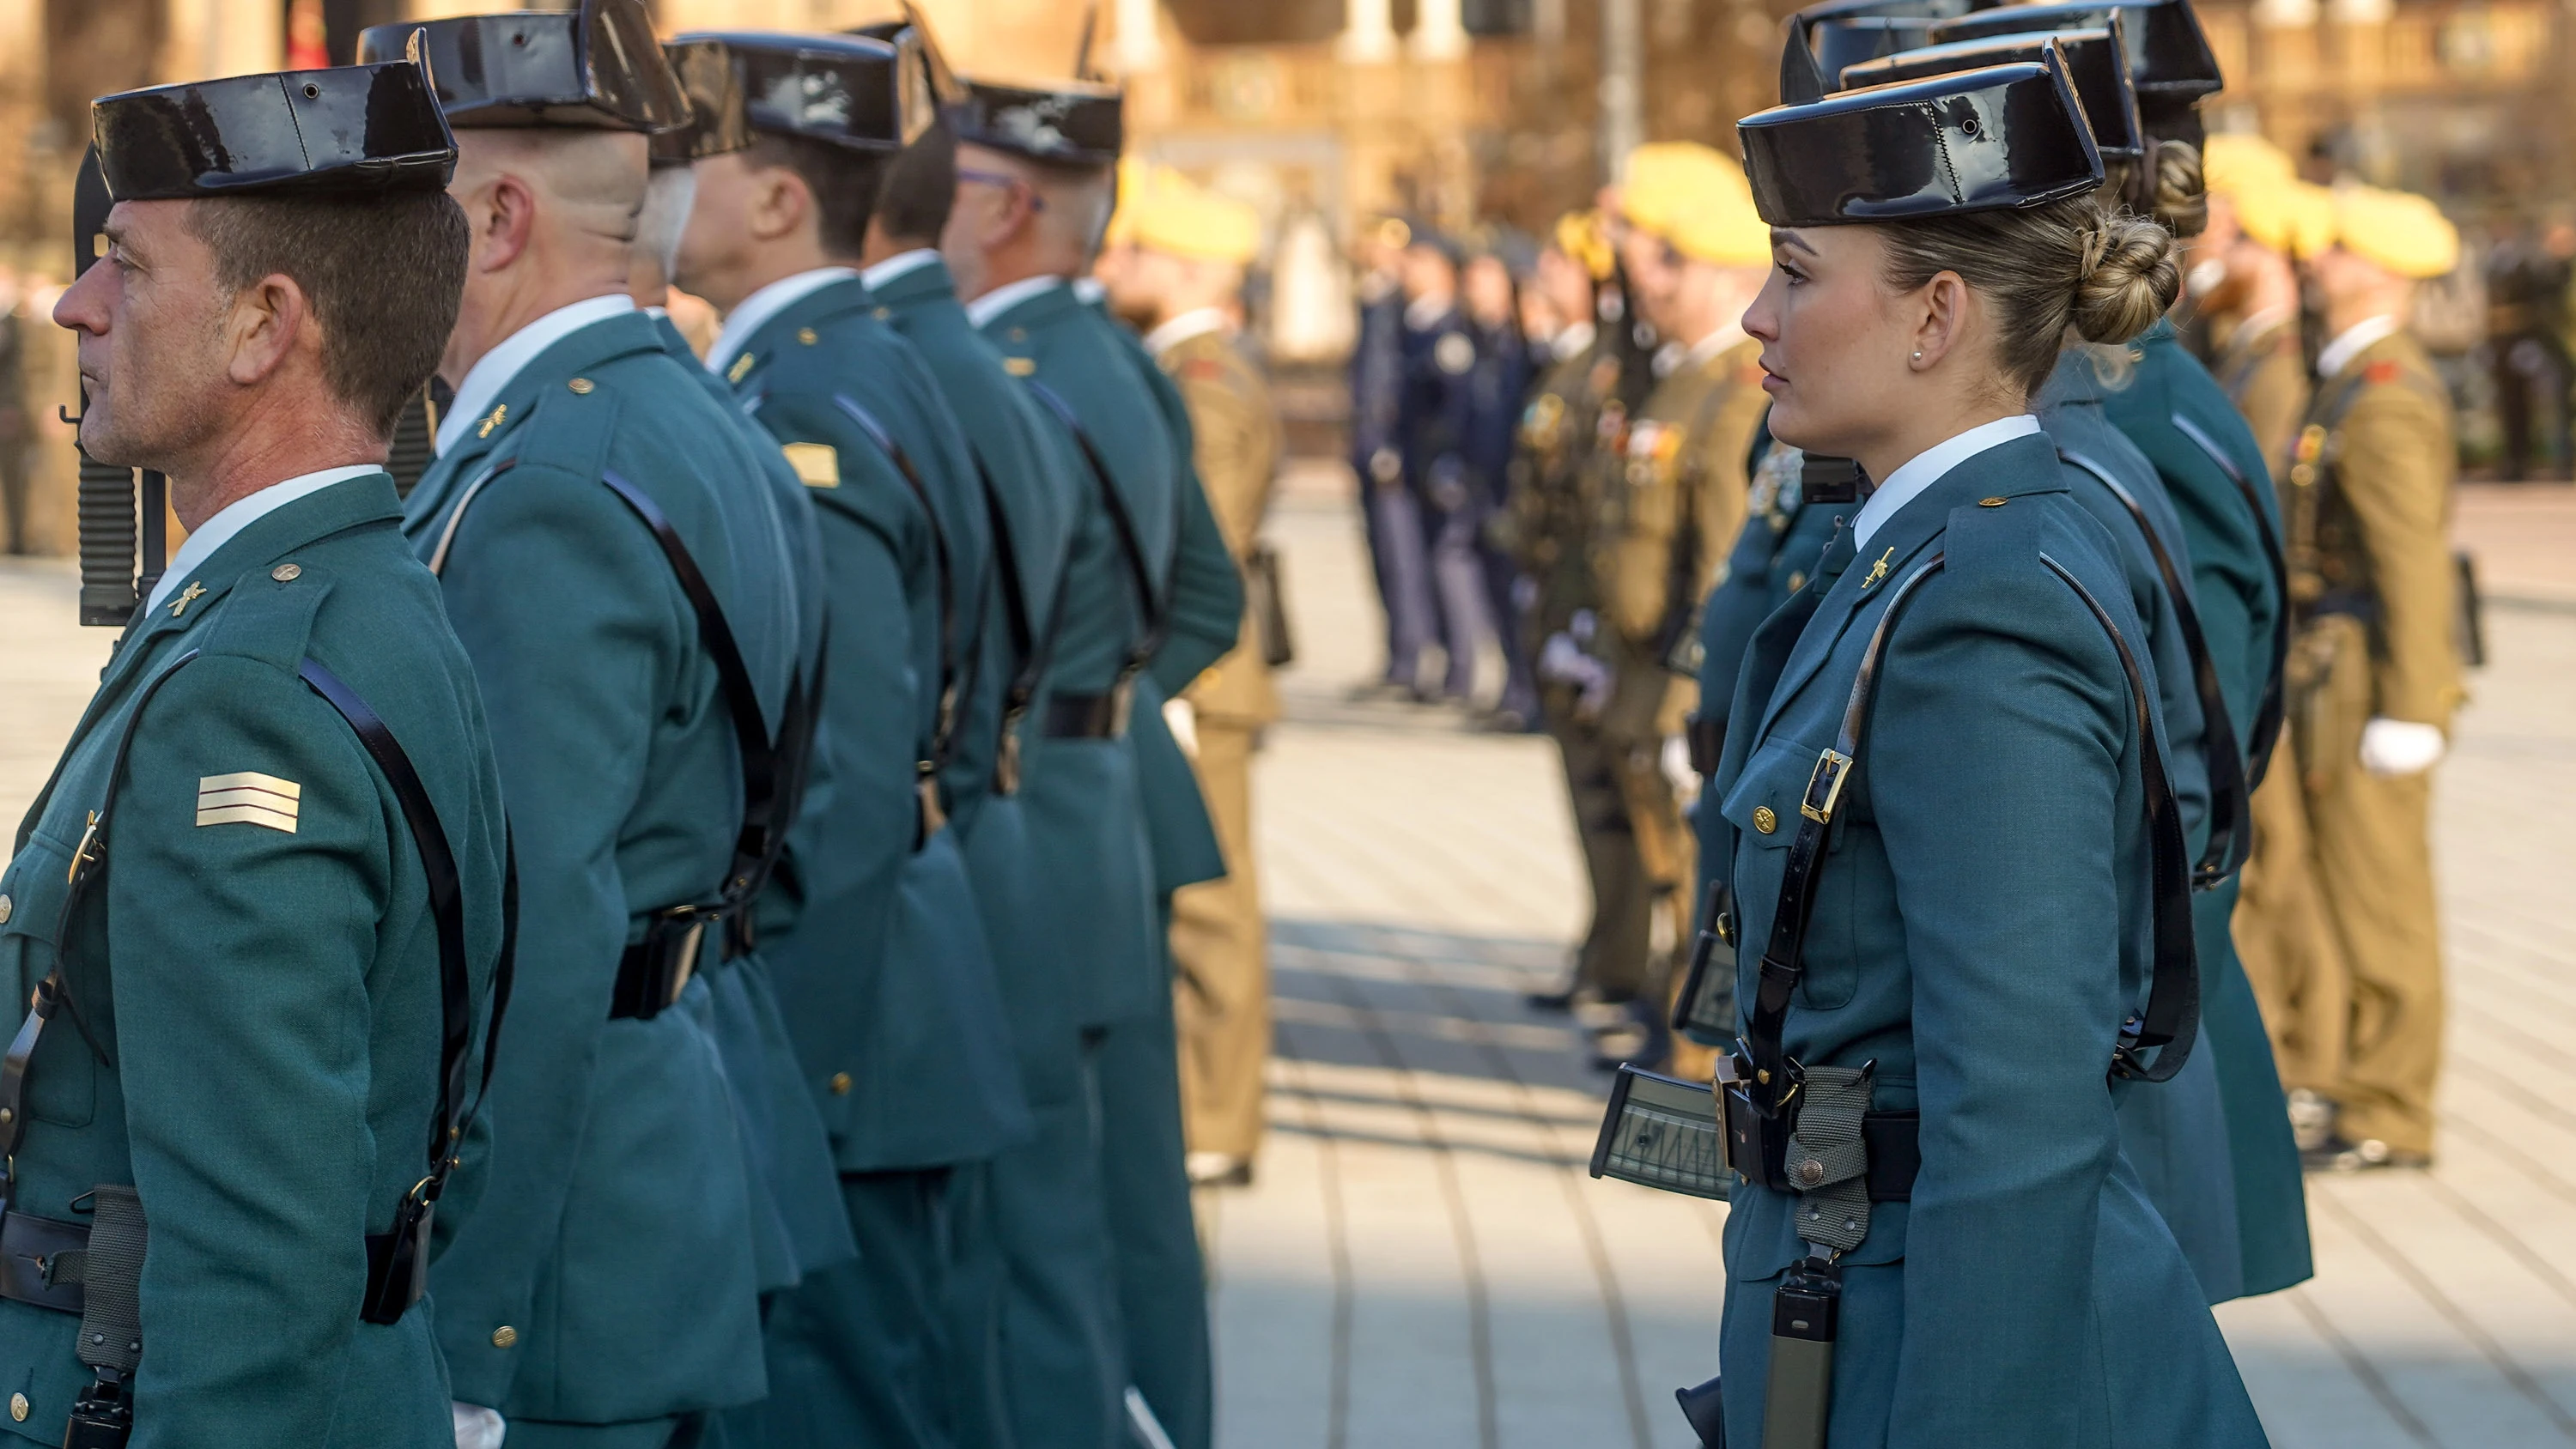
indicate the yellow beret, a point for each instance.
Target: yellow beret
{"x":1666,"y":179}
{"x":1724,"y":231}
{"x":1139,"y":178}
{"x":1579,"y":235}
{"x":2234,"y":163}
{"x":2405,"y":233}
{"x":2289,"y":216}
{"x":1199,"y":224}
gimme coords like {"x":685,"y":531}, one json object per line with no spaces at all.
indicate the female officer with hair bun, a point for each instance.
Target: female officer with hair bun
{"x":1960,"y":874}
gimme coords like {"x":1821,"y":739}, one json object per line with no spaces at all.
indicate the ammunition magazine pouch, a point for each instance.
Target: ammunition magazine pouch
{"x":1794,"y":1128}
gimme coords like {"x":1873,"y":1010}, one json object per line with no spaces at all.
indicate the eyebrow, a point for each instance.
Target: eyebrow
{"x":1782,"y":236}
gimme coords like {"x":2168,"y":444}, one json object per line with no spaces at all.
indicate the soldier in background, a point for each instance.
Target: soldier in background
{"x":1397,"y":558}
{"x":1666,"y":509}
{"x":2374,"y":675}
{"x":1496,"y":390}
{"x":15,"y":434}
{"x":2527,"y":277}
{"x":1181,"y":279}
{"x":1573,"y":404}
{"x":1435,"y":424}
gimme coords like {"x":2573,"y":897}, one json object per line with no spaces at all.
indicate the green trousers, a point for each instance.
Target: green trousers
{"x":1162,"y":1285}
{"x":688,"y":1431}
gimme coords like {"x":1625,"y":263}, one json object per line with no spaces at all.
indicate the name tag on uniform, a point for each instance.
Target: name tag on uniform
{"x":817,"y":464}
{"x":248,"y":797}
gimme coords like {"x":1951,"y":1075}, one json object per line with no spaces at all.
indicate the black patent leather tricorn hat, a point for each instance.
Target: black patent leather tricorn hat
{"x":2094,"y":60}
{"x":1823,"y":39}
{"x":717,"y":124}
{"x":2169,"y":56}
{"x":923,"y":63}
{"x":842,"y":90}
{"x":350,"y":130}
{"x":596,"y":68}
{"x":1068,"y":123}
{"x":1979,"y":140}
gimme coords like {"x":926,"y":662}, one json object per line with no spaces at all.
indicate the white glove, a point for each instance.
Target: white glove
{"x":477,"y":1427}
{"x":1557,"y":659}
{"x":2393,"y":747}
{"x":1182,"y":719}
{"x":1677,"y":767}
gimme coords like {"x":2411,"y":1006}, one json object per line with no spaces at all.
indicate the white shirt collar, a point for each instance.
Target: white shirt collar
{"x":753,"y":312}
{"x":1932,"y":465}
{"x":488,"y":376}
{"x":1089,"y":290}
{"x":1424,"y":313}
{"x":1006,"y":296}
{"x":2355,"y":340}
{"x":901,"y":264}
{"x":1195,"y":323}
{"x":1719,"y":341}
{"x":241,"y":513}
{"x":1572,"y":339}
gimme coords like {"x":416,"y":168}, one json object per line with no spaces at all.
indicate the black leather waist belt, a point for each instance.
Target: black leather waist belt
{"x":1895,"y":1143}
{"x":1088,"y":716}
{"x":41,"y":1261}
{"x":654,"y":971}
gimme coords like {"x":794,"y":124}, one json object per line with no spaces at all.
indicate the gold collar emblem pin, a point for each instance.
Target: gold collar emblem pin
{"x":189,"y":595}
{"x":1878,"y":570}
{"x":499,"y":411}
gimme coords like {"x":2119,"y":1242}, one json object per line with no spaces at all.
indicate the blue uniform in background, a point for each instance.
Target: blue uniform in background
{"x":1497,"y":390}
{"x":1393,"y":520}
{"x":1437,"y":429}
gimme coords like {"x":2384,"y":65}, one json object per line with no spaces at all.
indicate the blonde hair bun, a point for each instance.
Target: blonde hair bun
{"x":2126,"y":277}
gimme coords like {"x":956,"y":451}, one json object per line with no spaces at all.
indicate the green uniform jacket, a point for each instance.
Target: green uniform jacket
{"x":1545,"y":513}
{"x":797,"y":1221}
{"x":900,"y":1026}
{"x":2175,"y":1137}
{"x":2176,"y":412}
{"x":1036,"y":488}
{"x":616,"y":1150}
{"x":267,"y":995}
{"x":1980,"y":932}
{"x":1087,"y":806}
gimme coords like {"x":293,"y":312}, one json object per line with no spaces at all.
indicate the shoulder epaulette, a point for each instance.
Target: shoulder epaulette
{"x":268,"y":615}
{"x":570,"y":429}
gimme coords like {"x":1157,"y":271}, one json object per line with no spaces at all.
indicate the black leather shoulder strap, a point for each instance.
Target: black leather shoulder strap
{"x":757,"y":843}
{"x":2172,"y":1015}
{"x":944,"y":734}
{"x":2269,"y":715}
{"x":2230,"y":836}
{"x":1156,"y":608}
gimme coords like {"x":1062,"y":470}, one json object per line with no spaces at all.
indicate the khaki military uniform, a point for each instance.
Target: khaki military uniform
{"x":1220,"y":941}
{"x":2267,"y":378}
{"x":2374,"y":601}
{"x":1667,"y":508}
{"x":1571,"y":411}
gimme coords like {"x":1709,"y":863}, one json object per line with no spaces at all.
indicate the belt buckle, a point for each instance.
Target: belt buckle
{"x":685,"y":957}
{"x":1825,"y":786}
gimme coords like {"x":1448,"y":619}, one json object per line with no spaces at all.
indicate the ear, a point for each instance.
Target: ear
{"x":269,"y":321}
{"x":504,"y":217}
{"x":781,"y":202}
{"x":1942,"y":321}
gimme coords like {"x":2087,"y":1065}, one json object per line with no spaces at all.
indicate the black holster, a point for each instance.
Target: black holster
{"x":652,"y":973}
{"x":398,"y":1263}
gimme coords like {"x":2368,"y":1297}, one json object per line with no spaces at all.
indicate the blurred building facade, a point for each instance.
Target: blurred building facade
{"x":1323,"y":112}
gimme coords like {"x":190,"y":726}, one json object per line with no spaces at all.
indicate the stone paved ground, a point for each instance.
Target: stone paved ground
{"x":1423,"y":1262}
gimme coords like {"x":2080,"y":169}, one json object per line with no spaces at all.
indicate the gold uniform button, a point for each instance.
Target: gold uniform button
{"x":5,"y":908}
{"x":1797,"y":581}
{"x":287,"y":573}
{"x":1764,"y":820}
{"x":1990,"y":503}
{"x":504,"y":1336}
{"x":840,"y":1084}
{"x":807,"y":336}
{"x":581,"y":386}
{"x":18,"y":1407}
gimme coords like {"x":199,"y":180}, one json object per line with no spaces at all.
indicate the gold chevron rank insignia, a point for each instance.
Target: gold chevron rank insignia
{"x":741,"y":368}
{"x":817,"y":465}
{"x":248,"y":797}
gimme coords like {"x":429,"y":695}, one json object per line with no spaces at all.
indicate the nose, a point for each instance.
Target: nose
{"x":83,"y":305}
{"x":1762,"y":319}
